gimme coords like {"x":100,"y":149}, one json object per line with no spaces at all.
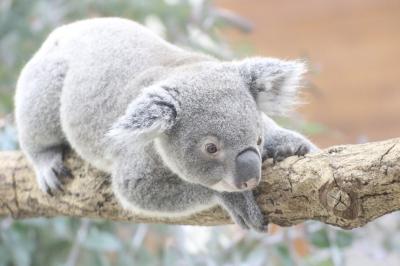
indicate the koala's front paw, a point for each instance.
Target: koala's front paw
{"x":244,"y":210}
{"x":287,"y":143}
{"x":286,"y":150}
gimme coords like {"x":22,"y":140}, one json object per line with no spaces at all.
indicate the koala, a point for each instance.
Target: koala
{"x":178,"y":131}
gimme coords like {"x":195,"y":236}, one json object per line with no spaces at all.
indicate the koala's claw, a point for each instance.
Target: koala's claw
{"x":303,"y":150}
{"x":239,"y":221}
{"x":244,"y":210}
{"x":283,"y":151}
{"x":247,"y":222}
{"x":49,"y":178}
{"x":62,"y":172}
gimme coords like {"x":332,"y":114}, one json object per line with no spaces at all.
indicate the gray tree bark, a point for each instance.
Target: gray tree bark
{"x":346,"y":186}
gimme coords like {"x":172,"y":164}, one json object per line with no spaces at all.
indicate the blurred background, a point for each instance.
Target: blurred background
{"x":353,"y":50}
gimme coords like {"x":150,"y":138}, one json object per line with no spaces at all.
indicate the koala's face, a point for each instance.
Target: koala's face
{"x":206,"y":122}
{"x":218,"y":136}
{"x":200,"y":153}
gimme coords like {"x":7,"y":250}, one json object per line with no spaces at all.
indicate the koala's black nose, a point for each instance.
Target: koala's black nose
{"x":248,"y":169}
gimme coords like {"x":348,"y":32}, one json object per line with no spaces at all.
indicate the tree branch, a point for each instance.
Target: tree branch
{"x":346,"y":186}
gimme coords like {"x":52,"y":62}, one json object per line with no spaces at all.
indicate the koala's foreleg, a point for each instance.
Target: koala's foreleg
{"x":243,"y":209}
{"x":280,"y":143}
{"x":167,"y":195}
{"x":156,"y":191}
{"x":146,"y":187}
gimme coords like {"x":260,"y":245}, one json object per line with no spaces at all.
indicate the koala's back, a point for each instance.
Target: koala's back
{"x":75,"y":86}
{"x":109,"y":44}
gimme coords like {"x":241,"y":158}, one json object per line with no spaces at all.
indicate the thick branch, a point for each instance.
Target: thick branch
{"x":346,"y":186}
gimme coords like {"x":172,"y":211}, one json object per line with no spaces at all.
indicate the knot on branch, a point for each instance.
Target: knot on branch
{"x":338,"y":199}
{"x":341,"y":203}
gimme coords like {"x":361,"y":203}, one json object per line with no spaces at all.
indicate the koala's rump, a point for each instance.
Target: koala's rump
{"x":102,"y":57}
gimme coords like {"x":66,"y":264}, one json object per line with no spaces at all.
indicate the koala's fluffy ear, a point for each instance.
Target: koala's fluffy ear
{"x":274,"y":83}
{"x":153,"y":112}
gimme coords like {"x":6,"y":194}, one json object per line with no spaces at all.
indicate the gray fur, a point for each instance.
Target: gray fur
{"x":281,"y":142}
{"x":144,"y":111}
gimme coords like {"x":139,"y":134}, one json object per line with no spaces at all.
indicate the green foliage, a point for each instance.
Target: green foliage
{"x":320,"y":238}
{"x":344,"y":239}
{"x":103,"y":241}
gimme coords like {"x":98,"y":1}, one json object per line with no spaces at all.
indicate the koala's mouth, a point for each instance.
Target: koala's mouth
{"x":224,"y":185}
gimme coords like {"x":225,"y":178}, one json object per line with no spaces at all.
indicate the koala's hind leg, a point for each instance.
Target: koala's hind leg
{"x":49,"y":168}
{"x":37,"y":104}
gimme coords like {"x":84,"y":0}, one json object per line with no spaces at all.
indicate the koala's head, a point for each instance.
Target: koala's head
{"x":206,"y":119}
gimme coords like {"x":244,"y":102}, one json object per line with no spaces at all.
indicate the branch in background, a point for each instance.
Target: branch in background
{"x":233,"y":19}
{"x":346,"y":186}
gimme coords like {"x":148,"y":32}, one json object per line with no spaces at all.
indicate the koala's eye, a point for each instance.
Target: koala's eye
{"x":211,"y":148}
{"x":259,"y":140}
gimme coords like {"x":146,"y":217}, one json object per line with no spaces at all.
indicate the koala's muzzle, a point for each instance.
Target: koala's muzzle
{"x":248,"y":169}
